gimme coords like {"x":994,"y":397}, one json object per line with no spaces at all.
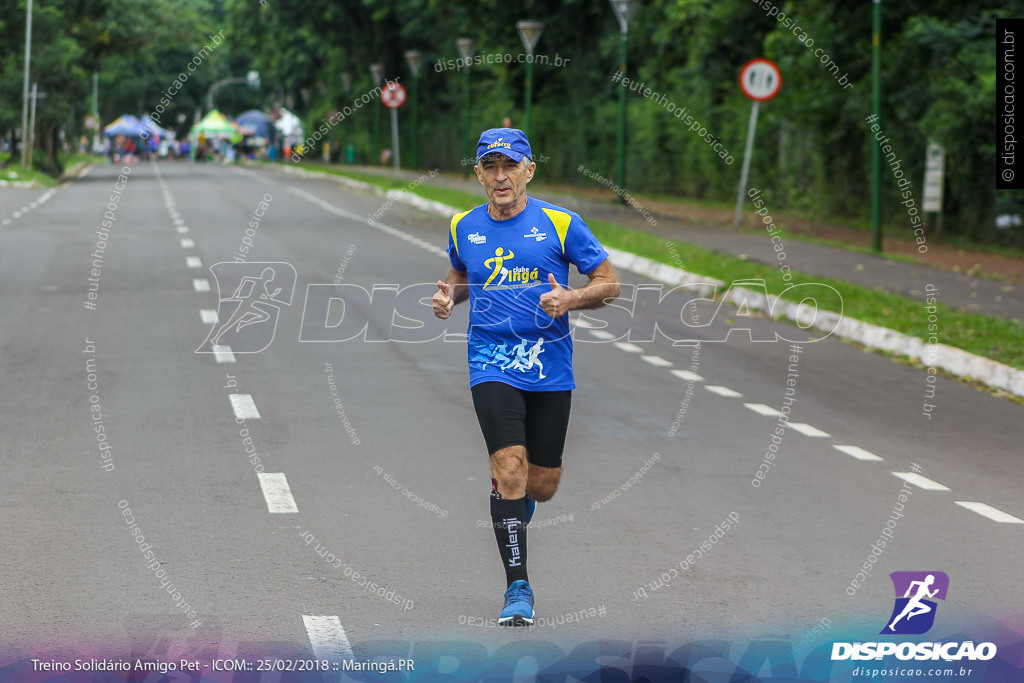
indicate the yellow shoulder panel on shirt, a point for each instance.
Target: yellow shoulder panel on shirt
{"x":560,"y":220}
{"x":455,"y":221}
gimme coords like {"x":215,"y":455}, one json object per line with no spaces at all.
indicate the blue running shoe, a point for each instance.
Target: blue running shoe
{"x":531,"y":506}
{"x":518,"y":605}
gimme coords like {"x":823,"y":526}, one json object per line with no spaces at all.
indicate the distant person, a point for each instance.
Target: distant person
{"x":510,"y":257}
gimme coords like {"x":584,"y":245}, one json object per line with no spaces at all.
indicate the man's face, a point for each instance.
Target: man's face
{"x":504,"y":180}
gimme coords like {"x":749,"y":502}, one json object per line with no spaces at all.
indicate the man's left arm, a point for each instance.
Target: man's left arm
{"x":603,"y":285}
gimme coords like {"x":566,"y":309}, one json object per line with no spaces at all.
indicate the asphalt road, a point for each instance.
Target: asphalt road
{"x":365,"y":459}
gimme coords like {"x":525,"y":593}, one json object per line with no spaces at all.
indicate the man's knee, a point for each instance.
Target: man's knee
{"x":543,"y":482}
{"x":542,"y":492}
{"x":509,"y":467}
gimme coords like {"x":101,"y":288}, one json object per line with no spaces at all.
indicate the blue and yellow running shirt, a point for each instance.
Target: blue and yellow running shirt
{"x":511,"y":338}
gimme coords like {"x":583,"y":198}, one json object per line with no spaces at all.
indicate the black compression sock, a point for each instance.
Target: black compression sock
{"x":508,"y":519}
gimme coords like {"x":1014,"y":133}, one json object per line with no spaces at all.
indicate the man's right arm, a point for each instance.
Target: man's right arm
{"x":454,"y":289}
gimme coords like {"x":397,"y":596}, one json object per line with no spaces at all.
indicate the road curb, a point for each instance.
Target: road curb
{"x":938,"y":356}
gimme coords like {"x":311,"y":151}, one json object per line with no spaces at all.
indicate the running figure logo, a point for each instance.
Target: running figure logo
{"x":247,"y":319}
{"x":519,"y":357}
{"x":914,"y":612}
{"x":499,"y":259}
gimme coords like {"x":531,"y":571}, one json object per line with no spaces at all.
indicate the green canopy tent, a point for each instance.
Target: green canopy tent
{"x":215,"y":126}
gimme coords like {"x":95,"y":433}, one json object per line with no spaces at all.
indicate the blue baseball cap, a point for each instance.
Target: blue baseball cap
{"x":511,"y":142}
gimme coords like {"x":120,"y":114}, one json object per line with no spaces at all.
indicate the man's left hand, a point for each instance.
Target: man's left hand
{"x":559,"y":300}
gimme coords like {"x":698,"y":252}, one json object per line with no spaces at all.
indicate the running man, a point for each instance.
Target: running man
{"x":251,"y":308}
{"x":522,"y":408}
{"x":914,"y":606}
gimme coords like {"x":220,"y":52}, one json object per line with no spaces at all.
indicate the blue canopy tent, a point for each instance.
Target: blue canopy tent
{"x":258,"y":122}
{"x":126,"y":125}
{"x":153,"y":128}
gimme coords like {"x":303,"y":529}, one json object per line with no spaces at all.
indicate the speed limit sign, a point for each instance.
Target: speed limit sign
{"x":760,"y":79}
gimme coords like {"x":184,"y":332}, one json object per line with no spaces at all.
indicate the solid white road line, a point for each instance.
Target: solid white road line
{"x":995,"y":514}
{"x":223,"y":354}
{"x":208,"y":315}
{"x":722,"y":391}
{"x":327,"y":638}
{"x":858,"y":452}
{"x":201,"y":284}
{"x":377,"y":225}
{"x":762,"y":409}
{"x":920,"y":482}
{"x":276,"y":492}
{"x":808,"y":430}
{"x":251,"y":174}
{"x":244,"y":406}
{"x":688,"y":376}
{"x":656,"y":361}
{"x":627,"y":347}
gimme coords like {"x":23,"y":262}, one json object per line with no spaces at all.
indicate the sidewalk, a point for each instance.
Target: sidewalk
{"x":970,"y":293}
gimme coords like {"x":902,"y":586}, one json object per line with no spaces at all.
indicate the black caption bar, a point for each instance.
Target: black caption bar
{"x":1009,"y":149}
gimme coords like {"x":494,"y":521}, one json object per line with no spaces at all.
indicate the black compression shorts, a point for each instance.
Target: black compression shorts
{"x":537,"y":420}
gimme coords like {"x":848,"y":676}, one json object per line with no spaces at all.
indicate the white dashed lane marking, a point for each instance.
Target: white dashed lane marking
{"x":858,"y":452}
{"x":208,"y":315}
{"x":808,"y":430}
{"x":244,"y":407}
{"x":223,"y":354}
{"x":762,"y":409}
{"x":182,"y":230}
{"x":722,"y":391}
{"x":194,"y":262}
{"x":656,"y":361}
{"x":995,"y":514}
{"x":627,"y":347}
{"x":688,"y":376}
{"x":276,"y":492}
{"x":920,"y":482}
{"x":602,"y":335}
{"x":187,"y":243}
{"x":327,"y":637}
{"x":201,"y":284}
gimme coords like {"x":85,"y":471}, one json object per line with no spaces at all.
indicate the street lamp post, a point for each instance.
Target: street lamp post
{"x":876,"y":106}
{"x":624,"y":10}
{"x":377,"y":74}
{"x":467,"y":48}
{"x":346,"y":84}
{"x":252,"y":79}
{"x":529,"y":33}
{"x":24,"y":90}
{"x":414,"y":58}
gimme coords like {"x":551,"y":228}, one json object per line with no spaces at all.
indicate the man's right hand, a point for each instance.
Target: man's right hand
{"x":443,"y":302}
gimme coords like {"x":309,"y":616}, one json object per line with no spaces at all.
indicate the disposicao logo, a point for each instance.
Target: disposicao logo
{"x":913,"y":613}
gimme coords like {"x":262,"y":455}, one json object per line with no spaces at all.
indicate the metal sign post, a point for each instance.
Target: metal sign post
{"x":392,"y":96}
{"x":760,"y":80}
